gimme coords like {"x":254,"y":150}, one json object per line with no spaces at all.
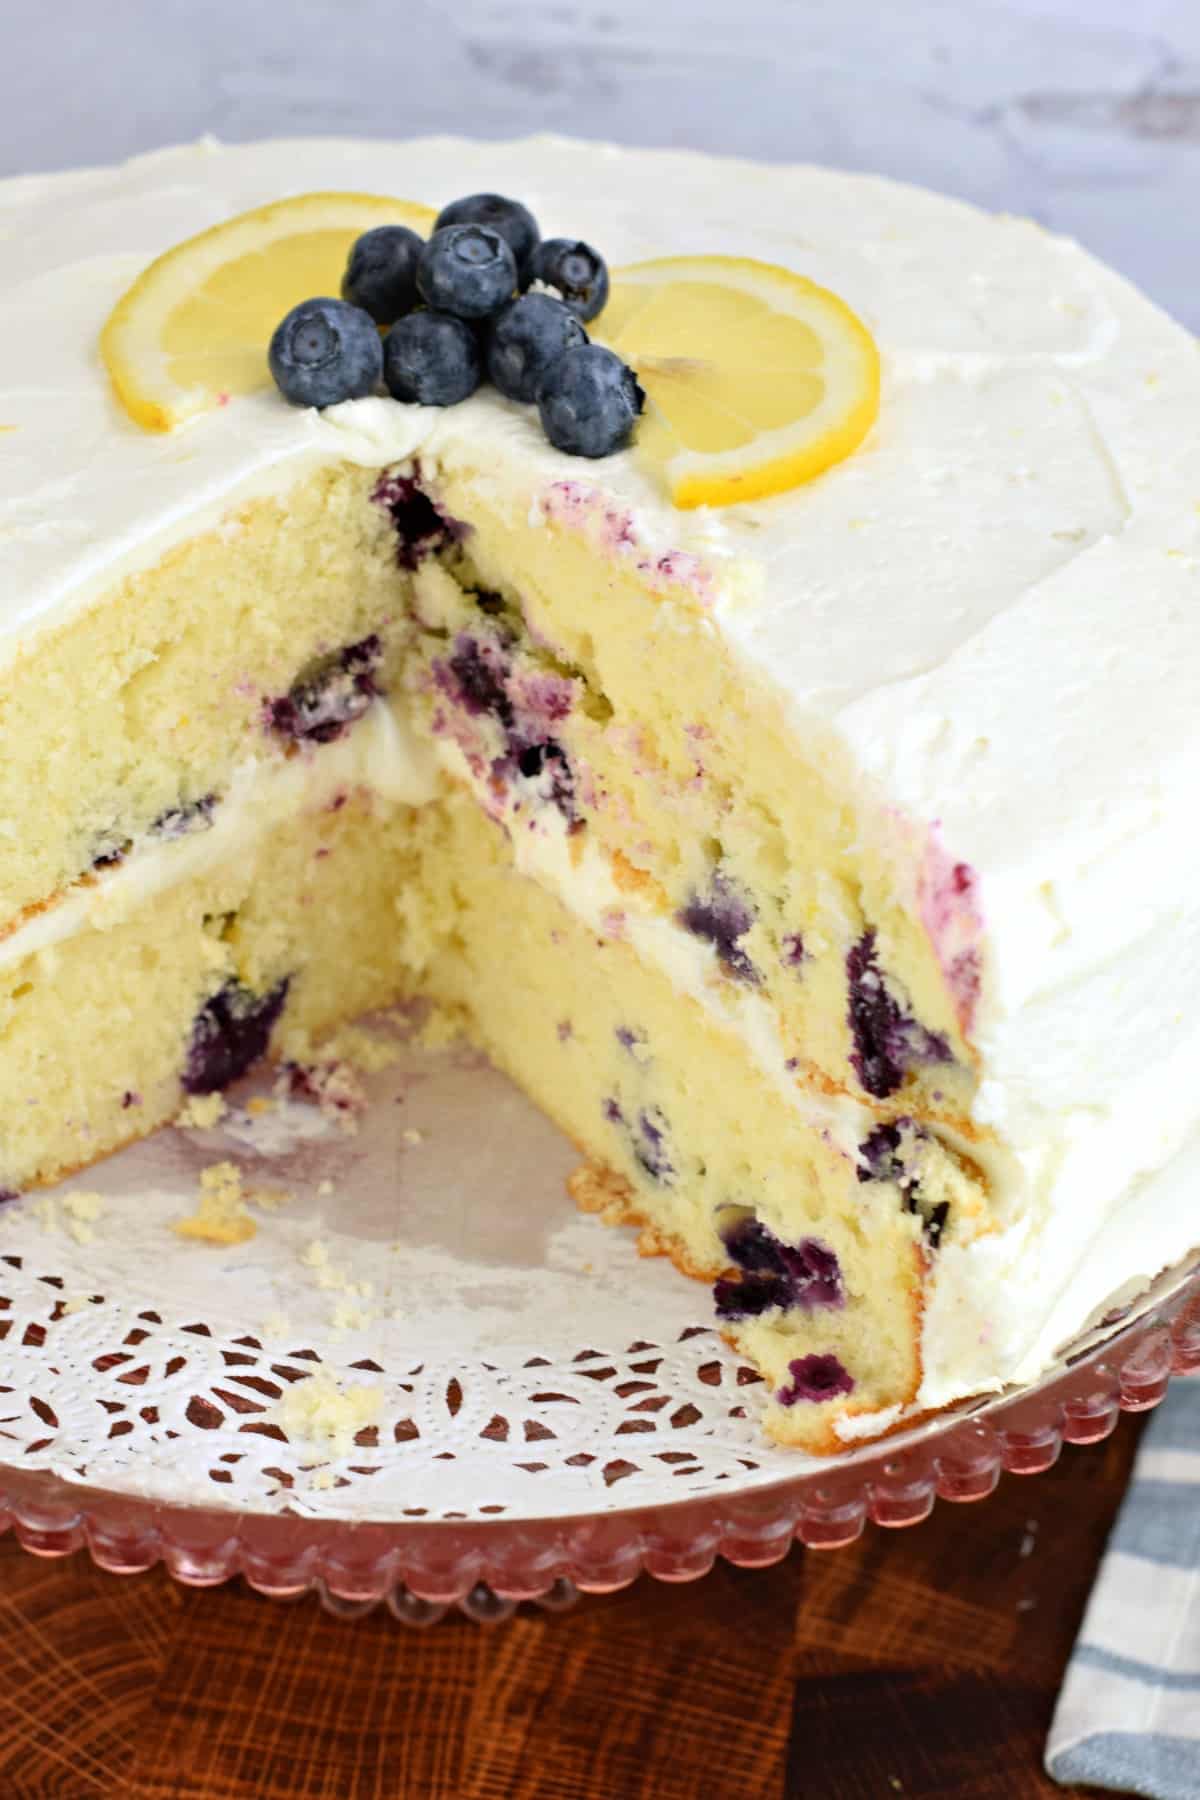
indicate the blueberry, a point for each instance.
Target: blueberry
{"x":179,"y":821}
{"x":381,"y":275}
{"x":815,"y":1378}
{"x":329,"y":695}
{"x":526,"y":338}
{"x":588,"y":401}
{"x":476,"y":677}
{"x":431,"y":357}
{"x":420,"y":528}
{"x":750,"y":1297}
{"x":230,"y":1032}
{"x":722,"y":917}
{"x":650,"y":1146}
{"x":578,"y":272}
{"x":467,"y":270}
{"x":325,"y":351}
{"x":887,"y":1040}
{"x":806,"y":1274}
{"x":512,"y":221}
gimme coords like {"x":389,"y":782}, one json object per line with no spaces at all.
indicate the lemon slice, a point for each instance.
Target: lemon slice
{"x":193,"y":329}
{"x":756,"y":379}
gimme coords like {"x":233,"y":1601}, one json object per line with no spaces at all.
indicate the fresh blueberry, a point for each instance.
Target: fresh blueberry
{"x":431,"y":357}
{"x":325,"y":351}
{"x":578,"y":272}
{"x":230,"y":1032}
{"x":381,"y":275}
{"x":467,"y":270}
{"x":526,"y":338}
{"x":514,"y":223}
{"x":588,"y":401}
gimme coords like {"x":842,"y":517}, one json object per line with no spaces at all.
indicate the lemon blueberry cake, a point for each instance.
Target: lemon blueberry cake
{"x":796,"y":801}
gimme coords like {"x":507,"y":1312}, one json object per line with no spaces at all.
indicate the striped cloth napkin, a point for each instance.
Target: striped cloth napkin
{"x":1129,"y":1713}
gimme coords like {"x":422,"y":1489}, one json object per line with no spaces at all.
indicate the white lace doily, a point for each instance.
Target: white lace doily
{"x":510,"y":1356}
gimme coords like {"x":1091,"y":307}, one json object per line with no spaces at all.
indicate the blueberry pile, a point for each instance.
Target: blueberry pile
{"x":457,"y":310}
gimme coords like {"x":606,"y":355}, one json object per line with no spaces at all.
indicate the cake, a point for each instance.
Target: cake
{"x":824,"y":865}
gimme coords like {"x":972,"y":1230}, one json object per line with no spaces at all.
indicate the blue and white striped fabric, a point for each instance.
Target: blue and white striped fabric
{"x":1129,"y":1713}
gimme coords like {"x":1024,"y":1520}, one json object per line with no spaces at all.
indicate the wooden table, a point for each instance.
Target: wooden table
{"x":920,"y":1663}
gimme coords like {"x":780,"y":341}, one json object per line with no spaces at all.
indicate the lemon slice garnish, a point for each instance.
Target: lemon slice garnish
{"x":193,"y":330}
{"x":756,"y":379}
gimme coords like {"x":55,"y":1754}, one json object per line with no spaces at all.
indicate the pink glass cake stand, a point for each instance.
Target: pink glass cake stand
{"x":139,"y":1421}
{"x":485,"y":1569}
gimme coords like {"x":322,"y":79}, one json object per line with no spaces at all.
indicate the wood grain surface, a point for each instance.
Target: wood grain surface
{"x":922,"y":1663}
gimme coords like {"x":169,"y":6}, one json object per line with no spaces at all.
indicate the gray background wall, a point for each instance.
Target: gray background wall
{"x":1083,"y":113}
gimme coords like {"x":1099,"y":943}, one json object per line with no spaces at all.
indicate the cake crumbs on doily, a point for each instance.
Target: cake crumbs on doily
{"x":75,"y":1303}
{"x":351,"y":1315}
{"x":321,"y":1410}
{"x":220,"y":1216}
{"x":201,"y":1112}
{"x":75,"y":1213}
{"x":330,"y":1276}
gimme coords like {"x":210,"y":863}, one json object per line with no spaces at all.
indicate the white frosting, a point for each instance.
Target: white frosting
{"x":993,"y":607}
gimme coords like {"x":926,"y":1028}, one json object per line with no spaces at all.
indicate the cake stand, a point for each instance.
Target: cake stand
{"x":518,"y":1407}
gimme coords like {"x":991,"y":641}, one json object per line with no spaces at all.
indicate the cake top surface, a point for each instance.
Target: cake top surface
{"x":1003,"y":578}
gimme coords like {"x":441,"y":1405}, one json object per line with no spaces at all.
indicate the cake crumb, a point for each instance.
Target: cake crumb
{"x":598,"y":1190}
{"x":270,"y":1199}
{"x":201,"y":1112}
{"x":260,"y":1104}
{"x":74,"y":1213}
{"x":220,"y":1216}
{"x":82,"y":1210}
{"x":330,"y":1276}
{"x":324,"y":1188}
{"x":351,"y":1315}
{"x":334,"y":1087}
{"x":75,"y":1303}
{"x":412,"y":1136}
{"x":322,"y":1479}
{"x":321,"y":1410}
{"x":276,"y":1325}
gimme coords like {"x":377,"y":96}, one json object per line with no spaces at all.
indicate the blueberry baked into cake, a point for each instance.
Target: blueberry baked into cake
{"x":748,"y":671}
